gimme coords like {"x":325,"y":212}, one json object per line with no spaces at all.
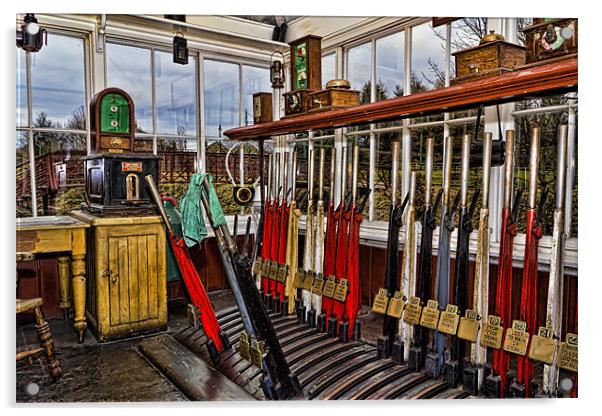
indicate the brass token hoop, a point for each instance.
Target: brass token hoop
{"x":242,"y":194}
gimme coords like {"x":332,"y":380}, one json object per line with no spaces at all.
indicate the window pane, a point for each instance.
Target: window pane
{"x":23,"y":177}
{"x":418,"y":161}
{"x":59,"y":172}
{"x":328,"y":69}
{"x":382,"y":182}
{"x":216,"y":165}
{"x":175,"y":95}
{"x":301,"y":176}
{"x":21,"y":89}
{"x":177,"y":164}
{"x":389,"y":66}
{"x":467,"y":33}
{"x":129,"y":68}
{"x":253,"y":80}
{"x":221,"y":98}
{"x":363,"y":177}
{"x":522,"y":23}
{"x":359,"y":69}
{"x":58,"y":90}
{"x":428,"y":57}
{"x":549,"y":124}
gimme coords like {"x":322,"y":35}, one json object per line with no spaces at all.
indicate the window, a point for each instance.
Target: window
{"x":224,"y":110}
{"x":254,"y":80}
{"x":176,"y":112}
{"x":428,"y":55}
{"x":58,"y":101}
{"x":175,"y":95}
{"x":21,"y":89}
{"x":222,"y":97}
{"x":59,"y":171}
{"x":389,"y":66}
{"x":328,"y":69}
{"x":23,"y":176}
{"x":549,"y":123}
{"x":130,"y":69}
{"x":171,"y":120}
{"x":58,"y":90}
{"x":359,"y":70}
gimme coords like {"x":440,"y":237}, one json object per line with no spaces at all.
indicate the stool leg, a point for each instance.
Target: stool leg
{"x":46,"y":342}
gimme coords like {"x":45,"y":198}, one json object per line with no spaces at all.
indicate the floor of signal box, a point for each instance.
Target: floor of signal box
{"x":99,"y":372}
{"x":115,"y":371}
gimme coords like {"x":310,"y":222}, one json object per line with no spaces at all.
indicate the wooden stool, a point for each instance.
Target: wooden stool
{"x":42,"y":327}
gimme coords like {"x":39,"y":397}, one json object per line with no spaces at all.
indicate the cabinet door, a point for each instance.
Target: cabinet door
{"x":135,"y":285}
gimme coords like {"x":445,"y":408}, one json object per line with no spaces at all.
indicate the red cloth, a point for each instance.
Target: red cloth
{"x":503,"y":304}
{"x":353,"y":302}
{"x":341,"y":260}
{"x":266,"y":245}
{"x":332,"y":217}
{"x":528,"y":301}
{"x":196,"y":291}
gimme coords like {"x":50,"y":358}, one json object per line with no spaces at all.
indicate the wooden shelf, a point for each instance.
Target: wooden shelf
{"x":553,"y":78}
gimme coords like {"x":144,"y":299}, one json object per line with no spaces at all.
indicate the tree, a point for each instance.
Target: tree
{"x":77,"y":121}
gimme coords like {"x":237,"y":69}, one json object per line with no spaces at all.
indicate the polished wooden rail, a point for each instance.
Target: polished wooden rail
{"x":553,"y":78}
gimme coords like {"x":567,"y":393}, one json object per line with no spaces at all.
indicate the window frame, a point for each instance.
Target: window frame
{"x":31,"y":130}
{"x":373,"y":232}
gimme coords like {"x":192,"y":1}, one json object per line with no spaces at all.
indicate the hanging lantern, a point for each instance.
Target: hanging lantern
{"x":277,"y":71}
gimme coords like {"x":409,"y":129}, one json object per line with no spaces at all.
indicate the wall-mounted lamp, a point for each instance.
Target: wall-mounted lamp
{"x":31,"y":37}
{"x":180,"y":49}
{"x":277,"y":70}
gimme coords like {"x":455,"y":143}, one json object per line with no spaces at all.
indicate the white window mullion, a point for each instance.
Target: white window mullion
{"x":202,"y":165}
{"x":570,"y":173}
{"x":406,"y":141}
{"x":372,"y":170}
{"x":154,"y":101}
{"x":30,"y":143}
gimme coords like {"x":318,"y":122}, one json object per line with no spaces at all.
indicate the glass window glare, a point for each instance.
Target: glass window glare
{"x":254,"y":80}
{"x":58,"y":90}
{"x":389,"y":66}
{"x":59,"y":172}
{"x":23,"y":176}
{"x":21,"y":89}
{"x":175,"y":95}
{"x":129,"y":68}
{"x":328,"y":69}
{"x":359,"y":69}
{"x":221,"y":98}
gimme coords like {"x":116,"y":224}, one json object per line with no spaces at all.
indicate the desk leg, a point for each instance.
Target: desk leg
{"x":65,"y":295}
{"x":78,"y":269}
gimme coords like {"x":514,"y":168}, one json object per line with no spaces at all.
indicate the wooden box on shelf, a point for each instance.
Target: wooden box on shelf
{"x":336,"y":95}
{"x":493,"y":56}
{"x":297,"y":102}
{"x":262,"y":107}
{"x":551,"y":39}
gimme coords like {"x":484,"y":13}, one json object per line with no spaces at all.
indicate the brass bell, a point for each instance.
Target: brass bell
{"x":338,"y":84}
{"x":491,"y":37}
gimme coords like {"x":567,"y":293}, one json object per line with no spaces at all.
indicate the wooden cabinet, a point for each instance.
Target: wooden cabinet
{"x":126,"y":266}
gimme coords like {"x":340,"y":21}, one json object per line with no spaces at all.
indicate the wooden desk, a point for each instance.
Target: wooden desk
{"x":66,"y":236}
